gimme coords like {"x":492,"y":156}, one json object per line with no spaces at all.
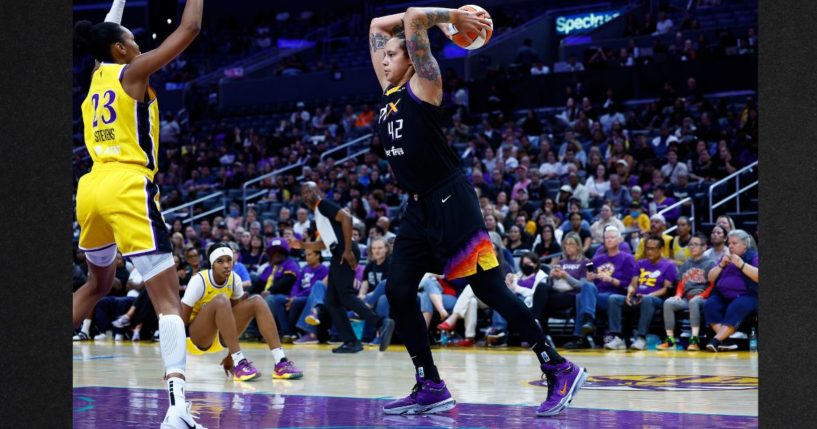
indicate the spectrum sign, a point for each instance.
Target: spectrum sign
{"x":569,"y":24}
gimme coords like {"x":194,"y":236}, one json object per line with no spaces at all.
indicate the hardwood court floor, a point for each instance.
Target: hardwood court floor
{"x":119,"y":385}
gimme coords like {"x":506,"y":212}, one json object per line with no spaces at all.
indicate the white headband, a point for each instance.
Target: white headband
{"x":221,"y":251}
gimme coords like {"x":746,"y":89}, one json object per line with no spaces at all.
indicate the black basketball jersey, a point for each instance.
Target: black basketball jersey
{"x":412,"y":137}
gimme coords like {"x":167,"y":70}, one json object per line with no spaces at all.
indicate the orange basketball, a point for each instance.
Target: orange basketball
{"x":478,"y":39}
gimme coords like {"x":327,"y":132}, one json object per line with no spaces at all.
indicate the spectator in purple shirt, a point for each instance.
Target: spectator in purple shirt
{"x":612,"y":272}
{"x":288,"y":309}
{"x":276,"y":278}
{"x":654,"y":277}
{"x":735,"y":295}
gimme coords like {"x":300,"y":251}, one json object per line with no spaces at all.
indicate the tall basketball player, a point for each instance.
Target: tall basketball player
{"x":117,"y":202}
{"x":442,"y":229}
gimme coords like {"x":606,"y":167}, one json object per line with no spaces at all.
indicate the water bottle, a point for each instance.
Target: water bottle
{"x":444,"y":338}
{"x":753,"y":341}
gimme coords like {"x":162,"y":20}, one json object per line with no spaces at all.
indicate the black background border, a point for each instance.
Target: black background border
{"x":36,"y":207}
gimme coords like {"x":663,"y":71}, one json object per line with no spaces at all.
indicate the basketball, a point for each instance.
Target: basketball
{"x":479,"y":40}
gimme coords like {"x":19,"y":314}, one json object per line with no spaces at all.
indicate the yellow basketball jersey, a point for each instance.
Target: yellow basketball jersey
{"x":119,"y":128}
{"x":211,"y":290}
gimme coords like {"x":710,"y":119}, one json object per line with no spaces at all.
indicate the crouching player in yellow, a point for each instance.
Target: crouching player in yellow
{"x":215,"y":309}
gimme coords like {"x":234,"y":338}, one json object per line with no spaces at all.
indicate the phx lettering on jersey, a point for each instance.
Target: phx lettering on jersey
{"x":394,"y":127}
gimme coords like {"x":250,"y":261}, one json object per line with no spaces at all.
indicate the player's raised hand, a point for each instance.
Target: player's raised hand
{"x":467,"y":22}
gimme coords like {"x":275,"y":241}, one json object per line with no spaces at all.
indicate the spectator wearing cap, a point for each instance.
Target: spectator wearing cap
{"x":637,"y":194}
{"x":636,"y":218}
{"x":658,"y":224}
{"x":562,"y":198}
{"x":278,"y":275}
{"x":661,"y":201}
{"x":575,"y":144}
{"x":622,"y":168}
{"x":618,"y":195}
{"x":525,"y":206}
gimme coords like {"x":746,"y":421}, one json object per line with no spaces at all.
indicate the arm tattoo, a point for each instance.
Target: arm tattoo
{"x":418,"y":45}
{"x":436,"y":16}
{"x":420,"y":52}
{"x":378,"y":41}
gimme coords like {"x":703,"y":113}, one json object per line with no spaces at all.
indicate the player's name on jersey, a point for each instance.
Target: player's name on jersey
{"x":107,"y":134}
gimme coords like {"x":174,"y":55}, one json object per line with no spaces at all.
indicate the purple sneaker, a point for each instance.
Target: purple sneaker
{"x":245,"y":371}
{"x":286,"y":370}
{"x":426,"y":397}
{"x":309,"y":338}
{"x":564,"y":381}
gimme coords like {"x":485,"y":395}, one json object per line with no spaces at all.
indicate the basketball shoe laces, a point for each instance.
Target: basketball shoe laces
{"x":415,"y":390}
{"x":551,"y":381}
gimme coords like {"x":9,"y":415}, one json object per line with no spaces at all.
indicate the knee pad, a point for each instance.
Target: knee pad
{"x":102,"y":257}
{"x":151,"y":265}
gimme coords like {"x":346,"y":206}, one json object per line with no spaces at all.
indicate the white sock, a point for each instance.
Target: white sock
{"x":175,"y":391}
{"x":86,"y":326}
{"x":237,"y":357}
{"x":173,"y":343}
{"x":278,"y":354}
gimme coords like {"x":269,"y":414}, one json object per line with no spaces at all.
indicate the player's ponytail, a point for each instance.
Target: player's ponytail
{"x":97,"y":39}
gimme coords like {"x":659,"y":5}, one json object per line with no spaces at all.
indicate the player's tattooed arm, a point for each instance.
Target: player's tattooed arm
{"x":381,"y":30}
{"x":419,"y":20}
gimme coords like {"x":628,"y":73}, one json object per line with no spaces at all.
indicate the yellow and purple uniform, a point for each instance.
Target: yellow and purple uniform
{"x":117,"y":202}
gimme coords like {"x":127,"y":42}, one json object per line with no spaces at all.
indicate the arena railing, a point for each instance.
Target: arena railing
{"x":245,"y":188}
{"x":188,"y":208}
{"x":738,"y":190}
{"x":348,"y":146}
{"x":679,"y":204}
